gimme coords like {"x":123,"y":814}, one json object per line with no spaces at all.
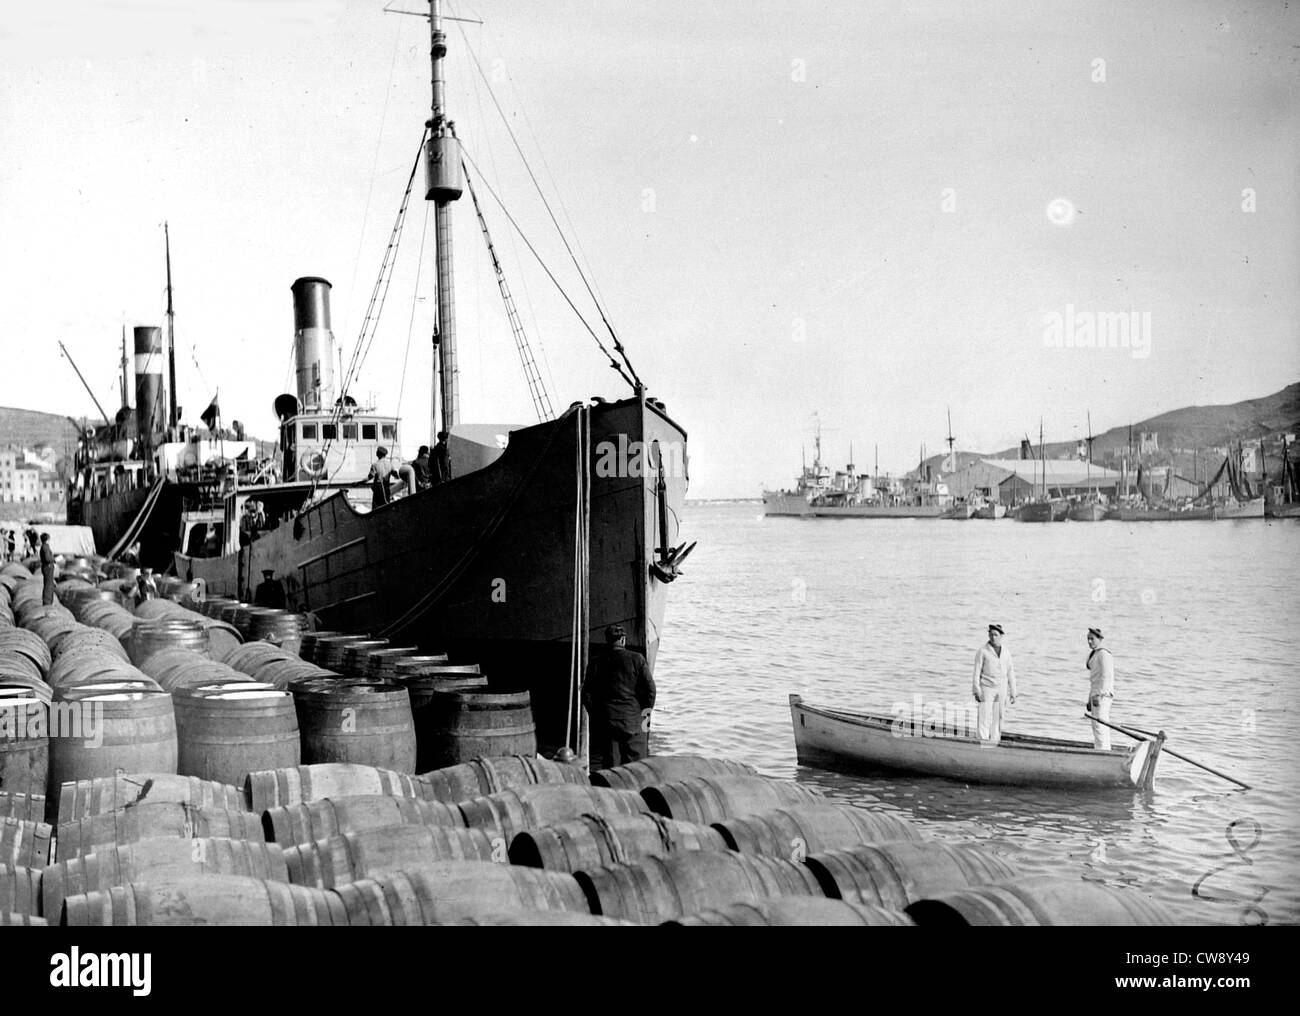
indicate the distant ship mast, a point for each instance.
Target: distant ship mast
{"x":443,"y":179}
{"x":173,"y":413}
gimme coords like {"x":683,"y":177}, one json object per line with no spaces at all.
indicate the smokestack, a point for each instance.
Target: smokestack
{"x":313,"y":342}
{"x":150,"y":403}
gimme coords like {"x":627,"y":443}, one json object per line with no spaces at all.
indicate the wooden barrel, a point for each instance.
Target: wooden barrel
{"x":8,"y":920}
{"x":658,"y":889}
{"x":290,"y":825}
{"x":356,"y":656}
{"x":430,"y":716}
{"x":279,"y":627}
{"x":665,"y":769}
{"x":29,"y":807}
{"x":81,"y":668}
{"x":175,"y":669}
{"x":87,"y":798}
{"x":512,"y":811}
{"x":28,"y":644}
{"x":24,"y":742}
{"x":149,"y":636}
{"x":327,"y":650}
{"x":709,"y":799}
{"x":133,"y":733}
{"x":13,"y":663}
{"x":155,"y":821}
{"x":307,"y":649}
{"x":25,"y":844}
{"x":273,"y":788}
{"x":796,"y":912}
{"x":223,"y":735}
{"x":596,"y":841}
{"x":364,"y":722}
{"x":20,"y":890}
{"x":1040,"y":901}
{"x":460,"y":726}
{"x":485,"y":776}
{"x":794,"y":833}
{"x":194,"y":900}
{"x":895,"y":875}
{"x":450,"y":890}
{"x":337,"y":860}
{"x":147,"y":860}
{"x":383,"y":662}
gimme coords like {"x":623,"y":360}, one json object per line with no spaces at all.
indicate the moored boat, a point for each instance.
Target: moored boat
{"x":540,"y":538}
{"x":943,"y":746}
{"x":1249,"y":509}
{"x":1087,"y":511}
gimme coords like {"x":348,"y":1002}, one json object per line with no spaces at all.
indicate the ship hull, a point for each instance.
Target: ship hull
{"x":1286,"y":510}
{"x":991,"y":512}
{"x":482,"y":567}
{"x":785,"y":502}
{"x":1087,"y":512}
{"x":866,"y":511}
{"x":1253,"y":509}
{"x":1164,"y":515}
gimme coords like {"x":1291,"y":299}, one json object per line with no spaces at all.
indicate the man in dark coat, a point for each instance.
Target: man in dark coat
{"x":423,"y":473}
{"x":47,"y":570}
{"x":441,"y":460}
{"x":619,"y":694}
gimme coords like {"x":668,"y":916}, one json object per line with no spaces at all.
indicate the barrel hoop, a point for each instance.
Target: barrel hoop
{"x":665,"y":834}
{"x":606,"y":832}
{"x":490,"y":777}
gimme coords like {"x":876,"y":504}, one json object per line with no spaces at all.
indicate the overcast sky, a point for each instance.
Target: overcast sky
{"x":866,"y":210}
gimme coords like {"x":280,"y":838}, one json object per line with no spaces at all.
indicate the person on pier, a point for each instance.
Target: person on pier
{"x":47,"y":570}
{"x":618,"y":694}
{"x":1101,"y":688}
{"x":994,"y":684}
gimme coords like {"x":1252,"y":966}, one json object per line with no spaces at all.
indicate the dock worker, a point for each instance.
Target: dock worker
{"x":47,"y":570}
{"x":271,"y":591}
{"x":423,"y":472}
{"x":441,"y":459}
{"x":618,"y":694}
{"x":381,"y":472}
{"x":1101,"y":687}
{"x":146,"y":588}
{"x":994,"y":684}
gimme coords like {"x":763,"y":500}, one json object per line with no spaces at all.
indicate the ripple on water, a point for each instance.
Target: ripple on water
{"x":865,"y":613}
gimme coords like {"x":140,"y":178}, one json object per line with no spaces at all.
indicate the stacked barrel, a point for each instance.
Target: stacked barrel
{"x":222,"y":778}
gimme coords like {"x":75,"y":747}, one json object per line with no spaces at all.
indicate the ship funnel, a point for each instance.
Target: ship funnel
{"x":150,"y":401}
{"x":313,"y":342}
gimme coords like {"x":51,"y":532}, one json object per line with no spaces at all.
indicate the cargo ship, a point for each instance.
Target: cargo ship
{"x":542,"y":536}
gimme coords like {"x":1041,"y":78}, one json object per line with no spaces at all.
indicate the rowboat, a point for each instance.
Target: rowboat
{"x":836,"y":739}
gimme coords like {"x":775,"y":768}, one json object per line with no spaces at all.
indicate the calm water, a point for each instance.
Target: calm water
{"x":864,"y":613}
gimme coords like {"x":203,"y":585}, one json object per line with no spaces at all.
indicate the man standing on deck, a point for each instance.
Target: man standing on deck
{"x":47,"y":570}
{"x":423,"y":474}
{"x":381,"y":473}
{"x":994,"y":683}
{"x":441,"y":464}
{"x":618,"y":695}
{"x":1101,"y":688}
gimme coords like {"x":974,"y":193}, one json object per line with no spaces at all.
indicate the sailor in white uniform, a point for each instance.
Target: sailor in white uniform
{"x":1101,"y":687}
{"x":994,"y":684}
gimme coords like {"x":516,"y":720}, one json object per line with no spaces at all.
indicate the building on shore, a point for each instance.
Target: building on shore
{"x":24,"y":477}
{"x":1011,"y":481}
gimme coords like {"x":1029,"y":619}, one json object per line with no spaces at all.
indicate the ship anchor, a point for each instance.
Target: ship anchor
{"x":666,"y":568}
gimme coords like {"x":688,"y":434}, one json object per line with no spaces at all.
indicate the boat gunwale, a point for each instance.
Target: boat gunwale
{"x":883,"y":723}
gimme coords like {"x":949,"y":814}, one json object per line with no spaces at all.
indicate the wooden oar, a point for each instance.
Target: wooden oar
{"x":1167,"y":751}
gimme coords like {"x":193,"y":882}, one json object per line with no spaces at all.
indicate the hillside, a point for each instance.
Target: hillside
{"x":1193,"y":428}
{"x":28,"y":428}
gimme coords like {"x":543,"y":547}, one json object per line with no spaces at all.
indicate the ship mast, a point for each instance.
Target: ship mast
{"x":443,"y":178}
{"x":171,"y":336}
